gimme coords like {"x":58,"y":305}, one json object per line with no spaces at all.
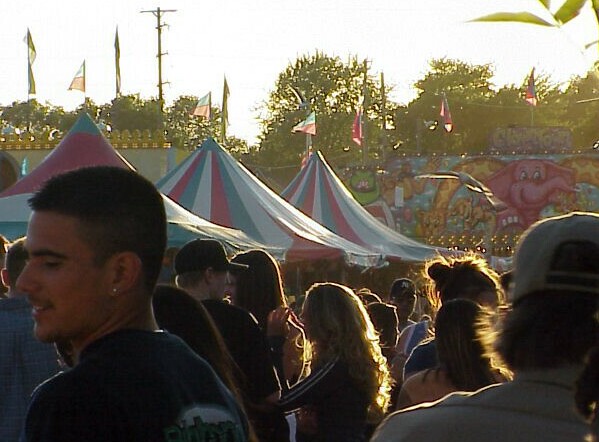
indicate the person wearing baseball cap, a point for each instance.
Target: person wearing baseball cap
{"x":403,"y":296}
{"x":543,"y":339}
{"x":201,"y":267}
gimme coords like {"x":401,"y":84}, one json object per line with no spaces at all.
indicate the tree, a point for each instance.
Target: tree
{"x":582,"y":107}
{"x":467,"y":88}
{"x":25,"y":115}
{"x":476,"y":108}
{"x":129,"y":112}
{"x":332,"y":90}
{"x":186,"y":131}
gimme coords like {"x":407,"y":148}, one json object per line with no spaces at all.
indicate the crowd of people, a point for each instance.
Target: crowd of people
{"x":95,"y":349}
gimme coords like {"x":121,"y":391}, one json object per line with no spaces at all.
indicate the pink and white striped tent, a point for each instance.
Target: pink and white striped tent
{"x":318,"y":192}
{"x":212,"y":184}
{"x":84,"y":146}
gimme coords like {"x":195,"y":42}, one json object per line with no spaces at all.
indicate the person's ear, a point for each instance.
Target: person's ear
{"x":5,"y":278}
{"x":127,"y":271}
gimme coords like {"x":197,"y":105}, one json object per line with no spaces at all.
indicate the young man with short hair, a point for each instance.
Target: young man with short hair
{"x":95,"y":240}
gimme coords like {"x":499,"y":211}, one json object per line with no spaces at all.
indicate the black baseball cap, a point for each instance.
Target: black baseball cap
{"x":199,"y":254}
{"x":402,"y":286}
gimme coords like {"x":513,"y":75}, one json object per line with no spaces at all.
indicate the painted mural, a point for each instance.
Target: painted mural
{"x":446,"y":213}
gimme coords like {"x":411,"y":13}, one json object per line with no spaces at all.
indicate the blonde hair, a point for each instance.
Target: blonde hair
{"x":339,"y":326}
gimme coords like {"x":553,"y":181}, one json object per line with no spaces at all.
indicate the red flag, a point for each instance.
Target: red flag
{"x":531,"y":93}
{"x":356,"y":132}
{"x":446,"y":115}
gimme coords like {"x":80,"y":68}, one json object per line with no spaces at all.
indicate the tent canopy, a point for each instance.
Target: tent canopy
{"x":212,"y":184}
{"x":318,"y":192}
{"x":85,"y":146}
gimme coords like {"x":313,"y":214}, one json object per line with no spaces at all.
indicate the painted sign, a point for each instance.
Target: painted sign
{"x":445,"y":211}
{"x":532,"y":139}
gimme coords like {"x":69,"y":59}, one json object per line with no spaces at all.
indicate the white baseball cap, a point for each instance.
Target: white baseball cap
{"x":536,"y":251}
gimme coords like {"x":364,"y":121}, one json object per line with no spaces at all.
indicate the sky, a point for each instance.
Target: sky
{"x":253,"y":41}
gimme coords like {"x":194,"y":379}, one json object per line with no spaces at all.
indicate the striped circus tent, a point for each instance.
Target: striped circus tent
{"x":212,"y":184}
{"x":318,"y":192}
{"x":84,"y":146}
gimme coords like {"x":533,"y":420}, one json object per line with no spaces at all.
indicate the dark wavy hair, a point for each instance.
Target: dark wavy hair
{"x":459,"y":326}
{"x":465,"y":277}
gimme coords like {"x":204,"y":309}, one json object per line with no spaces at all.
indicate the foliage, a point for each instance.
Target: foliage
{"x":332,"y":89}
{"x":129,"y":112}
{"x":477,"y":108}
{"x":569,"y":10}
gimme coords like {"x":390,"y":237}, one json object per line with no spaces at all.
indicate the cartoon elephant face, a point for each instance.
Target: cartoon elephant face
{"x":530,"y":185}
{"x":528,"y":170}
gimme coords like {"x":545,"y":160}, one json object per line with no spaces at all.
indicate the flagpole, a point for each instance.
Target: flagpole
{"x":532,"y":116}
{"x":308,"y":136}
{"x":84,"y":89}
{"x":383,"y":116}
{"x":210,"y":114}
{"x":364,"y":112}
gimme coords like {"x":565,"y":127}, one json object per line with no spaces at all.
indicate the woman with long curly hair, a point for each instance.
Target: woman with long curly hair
{"x":349,"y":384}
{"x":463,"y":331}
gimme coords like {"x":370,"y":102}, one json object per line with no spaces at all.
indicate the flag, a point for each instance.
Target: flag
{"x":24,"y":166}
{"x":117,"y":61}
{"x":531,"y":93}
{"x":308,"y":126}
{"x":78,"y":82}
{"x":31,"y":54}
{"x":225,"y":110}
{"x":356,"y":132}
{"x":446,"y":115}
{"x":306,"y":156}
{"x":202,"y":108}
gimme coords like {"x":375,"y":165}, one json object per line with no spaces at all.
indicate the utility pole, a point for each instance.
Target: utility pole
{"x":159,"y":25}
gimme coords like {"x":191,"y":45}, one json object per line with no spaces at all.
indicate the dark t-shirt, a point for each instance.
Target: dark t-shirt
{"x":340,"y":407}
{"x":424,"y":356}
{"x":135,"y":386}
{"x":248,"y":347}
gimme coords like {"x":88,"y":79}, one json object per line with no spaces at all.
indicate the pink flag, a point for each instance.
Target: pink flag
{"x":446,"y":115}
{"x":531,"y":93}
{"x":356,"y":132}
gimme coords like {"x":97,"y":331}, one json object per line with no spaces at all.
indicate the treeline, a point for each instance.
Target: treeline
{"x":333,"y":88}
